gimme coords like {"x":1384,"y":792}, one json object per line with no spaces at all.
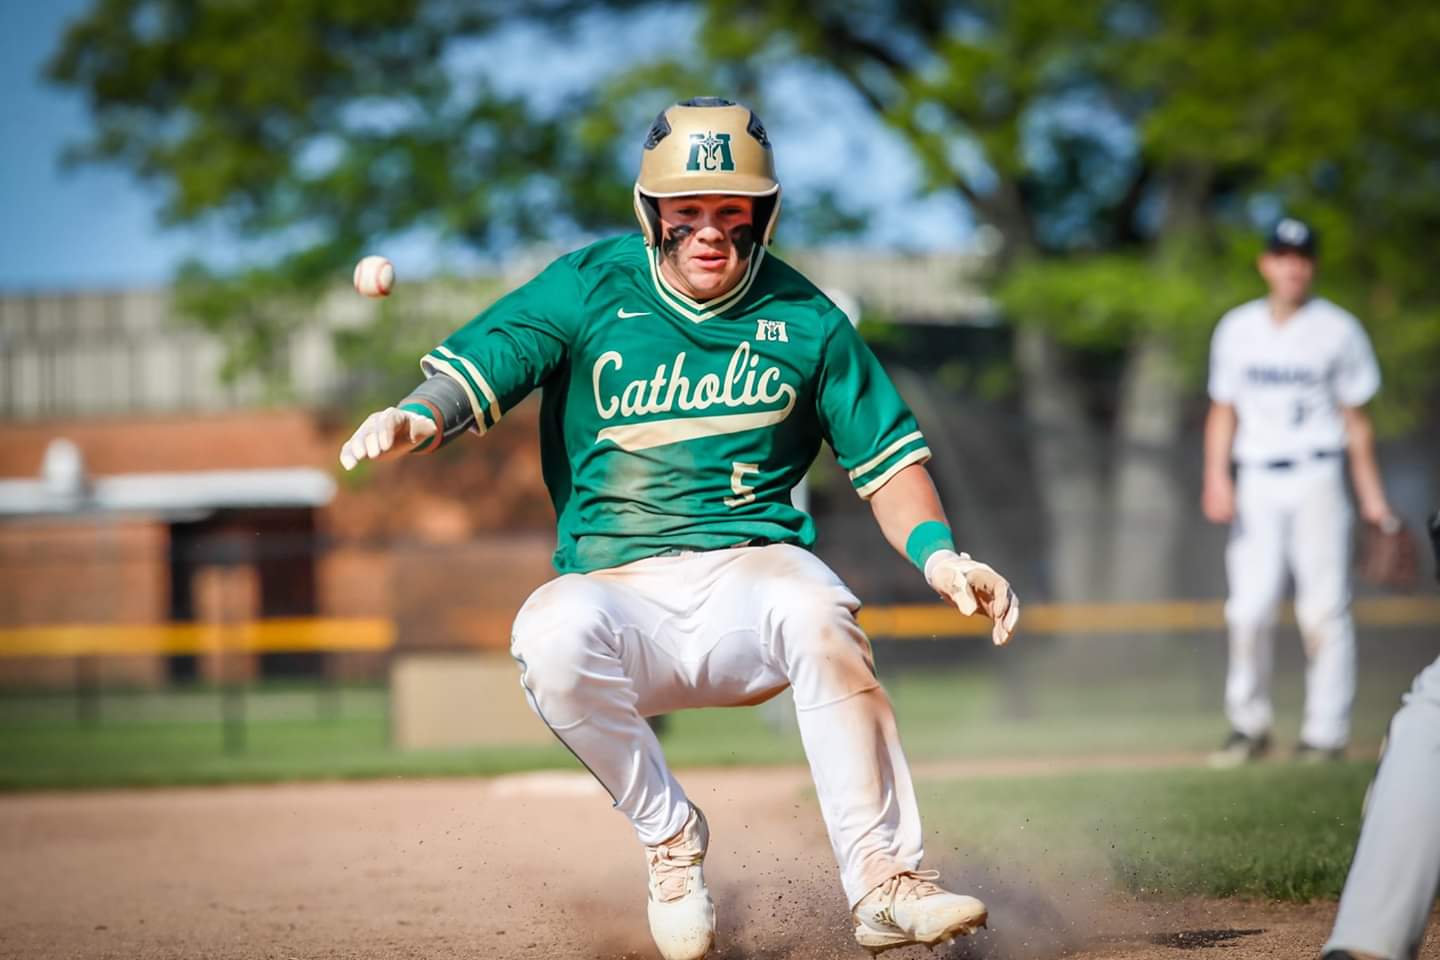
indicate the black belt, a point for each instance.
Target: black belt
{"x":1288,"y":464}
{"x":756,"y":542}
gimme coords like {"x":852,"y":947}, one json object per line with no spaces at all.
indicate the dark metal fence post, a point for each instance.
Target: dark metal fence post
{"x":232,"y":694}
{"x":87,"y":690}
{"x":328,"y":693}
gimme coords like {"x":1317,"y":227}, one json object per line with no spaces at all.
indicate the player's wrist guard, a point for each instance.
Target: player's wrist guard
{"x":925,"y":540}
{"x":442,"y":400}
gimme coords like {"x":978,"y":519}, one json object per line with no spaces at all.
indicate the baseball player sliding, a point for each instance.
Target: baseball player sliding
{"x":689,"y":377}
{"x":1289,"y":376}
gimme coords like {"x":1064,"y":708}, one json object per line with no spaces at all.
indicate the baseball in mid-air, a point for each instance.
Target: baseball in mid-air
{"x":375,"y":276}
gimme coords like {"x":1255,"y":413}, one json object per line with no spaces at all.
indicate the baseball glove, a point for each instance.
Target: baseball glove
{"x":1388,"y":558}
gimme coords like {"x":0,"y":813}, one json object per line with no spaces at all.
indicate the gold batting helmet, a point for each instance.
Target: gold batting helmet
{"x":707,"y":145}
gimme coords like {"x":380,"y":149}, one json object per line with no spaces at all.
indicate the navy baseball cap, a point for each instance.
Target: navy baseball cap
{"x":1292,"y":236}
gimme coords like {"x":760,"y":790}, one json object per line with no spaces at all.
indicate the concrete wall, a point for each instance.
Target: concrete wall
{"x":460,"y":700}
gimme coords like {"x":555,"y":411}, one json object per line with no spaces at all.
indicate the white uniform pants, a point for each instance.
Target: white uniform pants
{"x":1393,"y":879}
{"x":601,"y":651}
{"x":1297,"y":520}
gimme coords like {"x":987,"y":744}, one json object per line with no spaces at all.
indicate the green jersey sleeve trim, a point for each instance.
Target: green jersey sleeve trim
{"x":914,"y":451}
{"x":864,"y":418}
{"x":512,"y":346}
{"x":885,"y":454}
{"x":470,"y":368}
{"x":483,"y":402}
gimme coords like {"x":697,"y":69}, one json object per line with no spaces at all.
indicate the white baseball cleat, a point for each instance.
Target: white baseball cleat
{"x":682,"y":915}
{"x":910,"y":908}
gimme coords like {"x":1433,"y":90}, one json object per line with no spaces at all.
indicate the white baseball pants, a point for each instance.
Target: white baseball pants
{"x":601,"y":651}
{"x":1396,"y":871}
{"x":1297,"y":520}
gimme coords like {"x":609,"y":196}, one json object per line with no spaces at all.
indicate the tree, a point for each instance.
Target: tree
{"x":1124,"y":150}
{"x":1127,"y":152}
{"x":316,"y":127}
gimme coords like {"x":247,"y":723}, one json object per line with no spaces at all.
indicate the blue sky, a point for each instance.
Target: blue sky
{"x":93,"y":227}
{"x":84,"y":228}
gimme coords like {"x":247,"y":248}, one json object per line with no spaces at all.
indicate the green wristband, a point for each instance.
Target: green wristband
{"x":426,"y":412}
{"x":925,"y":539}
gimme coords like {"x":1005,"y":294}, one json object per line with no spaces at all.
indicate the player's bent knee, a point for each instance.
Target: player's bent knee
{"x":551,"y":667}
{"x":820,"y":627}
{"x":554,"y":676}
{"x":814,"y":613}
{"x":558,"y":632}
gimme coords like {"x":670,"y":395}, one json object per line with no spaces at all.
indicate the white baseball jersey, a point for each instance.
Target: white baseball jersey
{"x":1288,"y":381}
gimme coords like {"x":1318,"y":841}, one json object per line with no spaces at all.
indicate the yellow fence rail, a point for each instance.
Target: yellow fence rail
{"x":918,"y":621}
{"x":257,"y":636}
{"x":897,"y":621}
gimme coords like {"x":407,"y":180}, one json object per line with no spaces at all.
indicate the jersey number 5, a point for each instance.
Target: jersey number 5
{"x":743,"y":494}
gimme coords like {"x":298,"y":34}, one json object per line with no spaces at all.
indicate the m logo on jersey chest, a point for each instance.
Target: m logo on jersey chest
{"x":710,"y":151}
{"x":773,"y":330}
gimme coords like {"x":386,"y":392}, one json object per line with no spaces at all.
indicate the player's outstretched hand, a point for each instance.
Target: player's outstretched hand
{"x":388,"y":433}
{"x":972,"y":586}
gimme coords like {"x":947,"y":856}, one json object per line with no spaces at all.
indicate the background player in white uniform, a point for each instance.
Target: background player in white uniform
{"x":1289,"y":376}
{"x":689,"y":378}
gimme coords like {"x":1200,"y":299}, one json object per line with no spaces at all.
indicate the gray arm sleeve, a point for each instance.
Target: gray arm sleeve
{"x":445,"y":395}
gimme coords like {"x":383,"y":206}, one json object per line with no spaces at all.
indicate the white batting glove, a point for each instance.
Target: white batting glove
{"x":973,"y":586}
{"x":377,"y":436}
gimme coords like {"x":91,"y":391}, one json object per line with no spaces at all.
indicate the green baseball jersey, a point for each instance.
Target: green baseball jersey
{"x":668,"y":423}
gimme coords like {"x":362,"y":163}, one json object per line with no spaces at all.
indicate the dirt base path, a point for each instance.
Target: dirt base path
{"x":530,"y":866}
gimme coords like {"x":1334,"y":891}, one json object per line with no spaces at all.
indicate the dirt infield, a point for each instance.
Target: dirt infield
{"x":530,"y":866}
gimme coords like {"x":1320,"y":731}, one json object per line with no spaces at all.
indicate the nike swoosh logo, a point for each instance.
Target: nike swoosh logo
{"x":624,"y":314}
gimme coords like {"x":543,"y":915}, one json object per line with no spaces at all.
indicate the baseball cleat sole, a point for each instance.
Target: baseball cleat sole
{"x":877,"y":942}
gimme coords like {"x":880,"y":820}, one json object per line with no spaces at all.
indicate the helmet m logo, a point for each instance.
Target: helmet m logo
{"x":710,"y":151}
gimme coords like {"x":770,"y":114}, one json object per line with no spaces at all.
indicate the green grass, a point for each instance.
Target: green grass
{"x":128,"y":752}
{"x":296,"y":732}
{"x":1277,"y":830}
{"x":155,"y":738}
{"x":976,"y":714}
{"x":981,"y":712}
